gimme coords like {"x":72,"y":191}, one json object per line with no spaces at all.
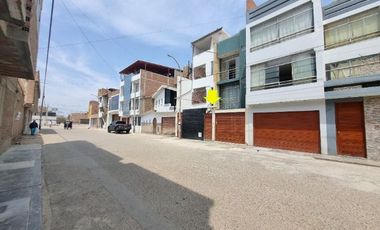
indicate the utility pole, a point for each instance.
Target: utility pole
{"x":47,"y":62}
{"x":178,"y":115}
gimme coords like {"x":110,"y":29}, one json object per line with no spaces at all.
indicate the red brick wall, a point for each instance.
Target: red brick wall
{"x":168,"y":125}
{"x":150,"y":83}
{"x":198,"y":96}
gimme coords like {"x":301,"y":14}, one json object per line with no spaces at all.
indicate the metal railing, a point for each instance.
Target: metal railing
{"x":285,"y":83}
{"x":364,"y":69}
{"x":350,"y":36}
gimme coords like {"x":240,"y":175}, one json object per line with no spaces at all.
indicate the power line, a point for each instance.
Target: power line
{"x":144,"y":33}
{"x":87,"y":39}
{"x":47,"y":61}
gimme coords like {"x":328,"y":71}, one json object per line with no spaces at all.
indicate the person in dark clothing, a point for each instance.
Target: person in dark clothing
{"x":70,"y":126}
{"x":33,"y":127}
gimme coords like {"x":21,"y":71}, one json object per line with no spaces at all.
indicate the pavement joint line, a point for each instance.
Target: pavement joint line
{"x":17,"y":165}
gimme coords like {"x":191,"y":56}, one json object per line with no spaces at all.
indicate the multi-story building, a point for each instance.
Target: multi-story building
{"x":113,"y":107}
{"x":93,"y":114}
{"x":19,"y":87}
{"x":230,"y":82}
{"x":139,"y":82}
{"x":103,"y":97}
{"x":164,"y":111}
{"x":285,"y":105}
{"x":352,"y":88}
{"x":80,"y":118}
{"x":192,"y":104}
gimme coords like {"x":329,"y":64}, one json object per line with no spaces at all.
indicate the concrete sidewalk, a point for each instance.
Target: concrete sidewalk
{"x":20,"y":185}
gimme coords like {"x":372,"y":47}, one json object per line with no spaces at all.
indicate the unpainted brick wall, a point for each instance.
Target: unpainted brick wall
{"x":150,"y":83}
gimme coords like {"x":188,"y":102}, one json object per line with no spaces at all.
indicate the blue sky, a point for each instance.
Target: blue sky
{"x":120,"y":33}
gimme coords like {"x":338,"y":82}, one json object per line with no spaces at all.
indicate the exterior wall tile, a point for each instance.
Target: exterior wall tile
{"x":372,"y":126}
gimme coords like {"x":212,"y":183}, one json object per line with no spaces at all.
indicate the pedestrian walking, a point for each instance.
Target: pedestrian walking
{"x":33,"y":127}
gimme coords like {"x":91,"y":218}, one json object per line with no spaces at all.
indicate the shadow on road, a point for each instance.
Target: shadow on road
{"x":91,"y":187}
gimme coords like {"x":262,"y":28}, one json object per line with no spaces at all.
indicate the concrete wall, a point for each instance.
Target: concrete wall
{"x":11,"y":111}
{"x":372,"y":126}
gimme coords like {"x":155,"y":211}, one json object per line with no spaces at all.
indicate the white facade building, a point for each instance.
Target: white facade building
{"x":352,"y":88}
{"x":285,"y":106}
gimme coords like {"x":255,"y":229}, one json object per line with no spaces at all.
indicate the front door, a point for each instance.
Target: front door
{"x":350,"y":130}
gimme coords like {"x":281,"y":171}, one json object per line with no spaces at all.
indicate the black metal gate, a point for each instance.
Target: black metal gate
{"x":193,"y":123}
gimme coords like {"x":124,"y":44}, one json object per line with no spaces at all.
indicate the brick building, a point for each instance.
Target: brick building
{"x":80,"y":118}
{"x":19,"y":80}
{"x":93,"y":114}
{"x":140,"y":81}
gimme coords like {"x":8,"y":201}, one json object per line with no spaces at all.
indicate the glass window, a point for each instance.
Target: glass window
{"x":357,"y":67}
{"x":288,"y":25}
{"x":228,"y":68}
{"x":230,"y":96}
{"x":355,"y":28}
{"x":296,"y":69}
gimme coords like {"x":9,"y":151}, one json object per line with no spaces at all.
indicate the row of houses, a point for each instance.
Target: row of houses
{"x":298,"y":77}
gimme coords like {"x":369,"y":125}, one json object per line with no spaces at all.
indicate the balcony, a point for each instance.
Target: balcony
{"x":18,"y":39}
{"x":354,"y":68}
{"x":359,"y":27}
{"x":294,"y":23}
{"x":288,"y":71}
{"x":166,"y":108}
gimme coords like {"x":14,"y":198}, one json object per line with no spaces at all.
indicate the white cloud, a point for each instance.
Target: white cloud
{"x":172,"y":22}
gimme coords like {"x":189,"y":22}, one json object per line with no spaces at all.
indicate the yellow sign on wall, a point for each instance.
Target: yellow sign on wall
{"x":212,"y":96}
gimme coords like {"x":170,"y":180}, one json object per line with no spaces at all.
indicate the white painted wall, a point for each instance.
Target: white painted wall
{"x":312,"y":41}
{"x":312,"y":105}
{"x":351,"y":51}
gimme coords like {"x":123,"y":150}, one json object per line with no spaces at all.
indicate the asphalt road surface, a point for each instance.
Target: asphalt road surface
{"x":96,"y":180}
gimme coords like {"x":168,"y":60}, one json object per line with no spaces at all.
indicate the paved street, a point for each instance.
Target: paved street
{"x":96,"y":180}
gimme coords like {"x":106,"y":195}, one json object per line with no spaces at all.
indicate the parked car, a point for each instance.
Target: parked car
{"x":119,"y":127}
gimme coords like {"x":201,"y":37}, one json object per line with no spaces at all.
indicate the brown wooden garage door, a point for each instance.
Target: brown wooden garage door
{"x":168,"y":125}
{"x":230,"y":127}
{"x":298,"y":131}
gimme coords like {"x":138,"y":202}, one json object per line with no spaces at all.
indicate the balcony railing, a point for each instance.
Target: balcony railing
{"x":358,"y":70}
{"x":228,"y":74}
{"x":352,"y":31}
{"x":285,"y":83}
{"x":164,"y":108}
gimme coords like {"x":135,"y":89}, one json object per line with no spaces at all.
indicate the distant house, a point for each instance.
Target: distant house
{"x":80,"y":118}
{"x":93,"y":114}
{"x":140,"y":82}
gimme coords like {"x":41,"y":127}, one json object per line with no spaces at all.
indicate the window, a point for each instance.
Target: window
{"x":198,"y":96}
{"x":286,"y":26}
{"x":114,"y":103}
{"x":357,"y":67}
{"x":228,"y":68}
{"x":296,"y":69}
{"x":135,"y":87}
{"x":230,"y":96}
{"x":200,"y":72}
{"x":352,"y":29}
